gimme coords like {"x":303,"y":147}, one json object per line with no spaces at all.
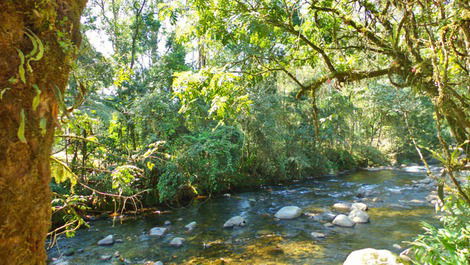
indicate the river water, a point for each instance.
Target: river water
{"x":396,"y":209}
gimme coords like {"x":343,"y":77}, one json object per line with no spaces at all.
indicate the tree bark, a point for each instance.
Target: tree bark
{"x":38,"y":43}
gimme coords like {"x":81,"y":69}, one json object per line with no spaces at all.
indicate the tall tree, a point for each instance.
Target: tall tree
{"x":38,"y":44}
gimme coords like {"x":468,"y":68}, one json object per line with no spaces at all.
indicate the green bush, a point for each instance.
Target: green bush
{"x":207,"y":161}
{"x":449,"y":244}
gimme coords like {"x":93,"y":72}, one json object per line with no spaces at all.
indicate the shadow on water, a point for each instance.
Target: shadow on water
{"x":395,"y":214}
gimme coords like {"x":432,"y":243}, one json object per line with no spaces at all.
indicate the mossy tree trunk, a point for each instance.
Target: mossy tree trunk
{"x":38,"y":43}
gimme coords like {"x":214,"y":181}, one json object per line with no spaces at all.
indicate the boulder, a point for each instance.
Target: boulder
{"x":167,"y":223}
{"x":343,"y":220}
{"x":177,"y":242}
{"x":109,"y":240}
{"x":358,"y":216}
{"x":288,"y":212}
{"x":317,"y":235}
{"x":191,"y":226}
{"x":341,"y":206}
{"x":158,"y":231}
{"x":235,"y":221}
{"x":360,"y":206}
{"x":370,"y":256}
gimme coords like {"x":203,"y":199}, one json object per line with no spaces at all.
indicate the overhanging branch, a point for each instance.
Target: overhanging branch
{"x":344,"y":77}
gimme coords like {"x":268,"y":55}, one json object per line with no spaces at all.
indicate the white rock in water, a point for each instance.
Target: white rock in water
{"x":358,"y":216}
{"x":317,"y":235}
{"x":343,"y":220}
{"x":191,"y":226}
{"x":342,"y":206}
{"x":288,"y":212}
{"x":370,"y":256}
{"x":109,"y":240}
{"x":177,"y":242}
{"x":360,"y":206}
{"x":235,"y":221}
{"x":158,"y":231}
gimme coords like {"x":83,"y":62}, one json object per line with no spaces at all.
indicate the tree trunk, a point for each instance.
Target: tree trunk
{"x":38,"y":43}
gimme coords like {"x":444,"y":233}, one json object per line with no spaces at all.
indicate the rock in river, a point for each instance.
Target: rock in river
{"x":341,"y":206}
{"x":191,"y":226}
{"x":158,"y":231}
{"x":235,"y":221}
{"x":317,"y":235}
{"x":109,"y":240}
{"x":370,"y":256}
{"x":177,"y":242}
{"x":343,"y":220}
{"x":288,"y":212}
{"x":360,"y":206}
{"x":358,"y":216}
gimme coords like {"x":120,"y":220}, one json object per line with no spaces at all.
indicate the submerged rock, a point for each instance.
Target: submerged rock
{"x":177,"y":242}
{"x":322,"y":217}
{"x":360,"y":206}
{"x":69,"y":252}
{"x":343,"y":220}
{"x":370,"y":256}
{"x":341,"y":206}
{"x":158,"y":231}
{"x":317,"y":235}
{"x":288,"y":212}
{"x":191,"y":226}
{"x":358,"y":216}
{"x":235,"y":221}
{"x":109,"y":240}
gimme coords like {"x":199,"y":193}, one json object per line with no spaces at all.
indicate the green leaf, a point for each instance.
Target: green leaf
{"x":62,"y":172}
{"x":42,"y":125}
{"x":36,"y":98}
{"x":20,"y":132}
{"x":21,"y":70}
{"x":33,"y":40}
{"x":40,"y":46}
{"x":440,"y":192}
{"x":150,"y":165}
{"x":3,"y":92}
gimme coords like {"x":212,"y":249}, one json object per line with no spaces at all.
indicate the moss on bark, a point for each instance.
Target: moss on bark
{"x":24,"y":165}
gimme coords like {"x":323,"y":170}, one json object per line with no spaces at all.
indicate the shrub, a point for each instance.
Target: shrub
{"x":449,"y":244}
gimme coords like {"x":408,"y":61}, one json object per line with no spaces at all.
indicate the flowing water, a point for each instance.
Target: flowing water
{"x":394,"y":218}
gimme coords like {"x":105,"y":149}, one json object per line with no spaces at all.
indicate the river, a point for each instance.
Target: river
{"x":397,"y":206}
